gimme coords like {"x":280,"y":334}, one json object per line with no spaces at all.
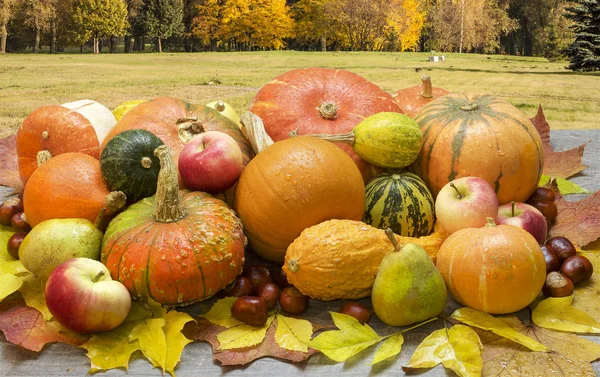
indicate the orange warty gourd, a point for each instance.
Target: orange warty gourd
{"x":69,"y":185}
{"x":494,"y":269}
{"x":412,"y":100}
{"x":292,"y":185}
{"x":50,"y":131}
{"x":320,"y":101}
{"x":481,"y":136}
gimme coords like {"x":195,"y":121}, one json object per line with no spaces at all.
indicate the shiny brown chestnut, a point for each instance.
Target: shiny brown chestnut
{"x":293,"y":301}
{"x":557,"y":285}
{"x":251,"y":310}
{"x":548,"y":209}
{"x":356,"y":310}
{"x":8,"y":208}
{"x":14,"y":242}
{"x":270,"y":293}
{"x":258,"y":275}
{"x":577,"y":268}
{"x":552,"y":261}
{"x":241,"y":287}
{"x":19,"y":223}
{"x":562,"y":247}
{"x":543,"y":194}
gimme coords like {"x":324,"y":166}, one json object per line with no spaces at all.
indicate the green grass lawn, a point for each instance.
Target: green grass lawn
{"x":27,"y":81}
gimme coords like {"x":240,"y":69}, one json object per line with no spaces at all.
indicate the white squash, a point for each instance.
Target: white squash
{"x":101,"y":118}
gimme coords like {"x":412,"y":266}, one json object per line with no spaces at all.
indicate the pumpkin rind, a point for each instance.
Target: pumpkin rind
{"x":482,"y":136}
{"x":412,"y":100}
{"x":401,"y":202}
{"x":292,"y":101}
{"x":56,"y":129}
{"x":128,"y":164}
{"x":338,"y":259}
{"x":69,"y":185}
{"x":292,"y":185}
{"x":494,"y":269}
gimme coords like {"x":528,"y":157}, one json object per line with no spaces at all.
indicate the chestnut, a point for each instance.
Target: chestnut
{"x":258,"y":275}
{"x":251,"y":310}
{"x":557,"y":285}
{"x":543,"y":194}
{"x":562,"y":247}
{"x":356,"y":310}
{"x":548,"y":209}
{"x":279,"y":278}
{"x":270,"y":293}
{"x":14,"y":242}
{"x":9,"y":208}
{"x":577,"y":268}
{"x":293,"y":301}
{"x":241,"y":287}
{"x":552,"y":261}
{"x":19,"y":223}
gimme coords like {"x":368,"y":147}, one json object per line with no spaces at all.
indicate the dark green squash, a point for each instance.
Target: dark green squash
{"x":128,"y":164}
{"x":401,"y":202}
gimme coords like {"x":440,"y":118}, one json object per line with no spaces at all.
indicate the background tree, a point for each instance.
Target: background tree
{"x":584,"y":52}
{"x":162,"y":19}
{"x":38,"y":14}
{"x":406,"y":20}
{"x":6,"y":12}
{"x":312,"y":24}
{"x":133,"y":9}
{"x":99,"y":19}
{"x":265,"y":25}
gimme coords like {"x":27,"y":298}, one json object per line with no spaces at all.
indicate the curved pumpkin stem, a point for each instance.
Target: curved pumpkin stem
{"x":167,"y":208}
{"x":43,"y":156}
{"x":113,"y":203}
{"x":427,"y":88}
{"x":187,"y":128}
{"x":328,"y":110}
{"x":347,"y":138}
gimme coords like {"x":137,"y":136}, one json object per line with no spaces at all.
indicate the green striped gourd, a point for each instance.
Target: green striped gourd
{"x":401,"y":202}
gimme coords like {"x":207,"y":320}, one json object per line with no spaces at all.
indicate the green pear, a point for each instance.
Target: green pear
{"x":52,"y":242}
{"x":408,"y":288}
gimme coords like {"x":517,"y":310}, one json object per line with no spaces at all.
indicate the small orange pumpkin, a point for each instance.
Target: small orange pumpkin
{"x":412,"y":100}
{"x":494,"y":269}
{"x":69,"y":185}
{"x":292,"y":185}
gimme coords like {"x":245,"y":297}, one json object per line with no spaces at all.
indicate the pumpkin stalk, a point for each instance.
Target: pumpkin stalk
{"x":43,"y":156}
{"x":328,"y":110}
{"x":113,"y":203}
{"x":489,"y":222}
{"x":187,"y":128}
{"x":456,"y":189}
{"x":220,"y":106}
{"x":427,"y":87}
{"x":392,"y":237}
{"x":253,"y":129}
{"x":469,"y":107}
{"x":146,"y":162}
{"x":347,"y":138}
{"x":167,"y":207}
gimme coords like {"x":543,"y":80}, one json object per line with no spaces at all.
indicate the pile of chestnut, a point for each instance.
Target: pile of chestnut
{"x":543,"y":199}
{"x":259,"y":289}
{"x":11,"y":213}
{"x":564,"y":267}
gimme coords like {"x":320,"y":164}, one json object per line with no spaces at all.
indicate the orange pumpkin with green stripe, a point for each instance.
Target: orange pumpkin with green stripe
{"x":176,"y":247}
{"x":482,"y":136}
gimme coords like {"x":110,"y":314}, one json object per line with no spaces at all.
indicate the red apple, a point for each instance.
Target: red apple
{"x":210,"y":162}
{"x":83,"y":297}
{"x":526,"y":217}
{"x":466,"y":203}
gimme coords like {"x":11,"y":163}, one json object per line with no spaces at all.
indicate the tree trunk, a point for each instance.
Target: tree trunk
{"x":143,"y":44}
{"x":462,"y":26}
{"x":323,"y":43}
{"x":36,"y":45}
{"x":53,"y":35}
{"x":213,"y":45}
{"x":113,"y":44}
{"x":96,"y":46}
{"x":3,"y":38}
{"x":128,"y":44}
{"x":159,"y":44}
{"x":81,"y":49}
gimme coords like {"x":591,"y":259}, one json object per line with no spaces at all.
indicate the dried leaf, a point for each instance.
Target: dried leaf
{"x":557,"y":313}
{"x":293,"y":334}
{"x":151,"y":338}
{"x":571,"y":354}
{"x":176,"y":341}
{"x":9,"y":169}
{"x":350,"y":339}
{"x":203,"y":330}
{"x":9,"y":284}
{"x":487,"y":322}
{"x":25,"y":326}
{"x":389,"y":348}
{"x":578,"y":221}
{"x":243,"y":336}
{"x":33,"y":293}
{"x":220,"y":313}
{"x":557,"y":164}
{"x":458,"y":349}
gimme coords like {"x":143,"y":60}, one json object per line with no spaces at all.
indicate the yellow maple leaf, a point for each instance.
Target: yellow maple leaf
{"x":9,"y":284}
{"x":485,"y":321}
{"x":293,"y":334}
{"x":557,"y":313}
{"x":243,"y":336}
{"x":151,"y":338}
{"x":32,"y":290}
{"x":176,"y":341}
{"x":457,"y":348}
{"x":220,"y":313}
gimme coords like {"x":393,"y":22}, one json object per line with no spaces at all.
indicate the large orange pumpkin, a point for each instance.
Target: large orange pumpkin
{"x":50,"y":131}
{"x":176,"y":247}
{"x":292,"y":185}
{"x":69,"y":185}
{"x":320,"y":101}
{"x":494,"y":269}
{"x":482,"y":136}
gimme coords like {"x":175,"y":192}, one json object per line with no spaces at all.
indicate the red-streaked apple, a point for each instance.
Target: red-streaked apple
{"x":83,"y":297}
{"x":466,"y":203}
{"x":526,"y":217}
{"x":210,"y":162}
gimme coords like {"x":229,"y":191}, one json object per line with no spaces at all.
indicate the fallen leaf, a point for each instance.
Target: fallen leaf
{"x":203,"y":330}
{"x":557,"y":313}
{"x":9,"y":169}
{"x":243,"y":336}
{"x":220,"y":313}
{"x":567,"y":187}
{"x":458,"y":349}
{"x":578,"y":221}
{"x":587,"y":293}
{"x":293,"y":334}
{"x":33,"y":293}
{"x":26,"y":327}
{"x":9,"y":284}
{"x":487,"y":322}
{"x":176,"y":341}
{"x":389,"y":348}
{"x":571,"y":354}
{"x":350,"y":339}
{"x":557,"y":164}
